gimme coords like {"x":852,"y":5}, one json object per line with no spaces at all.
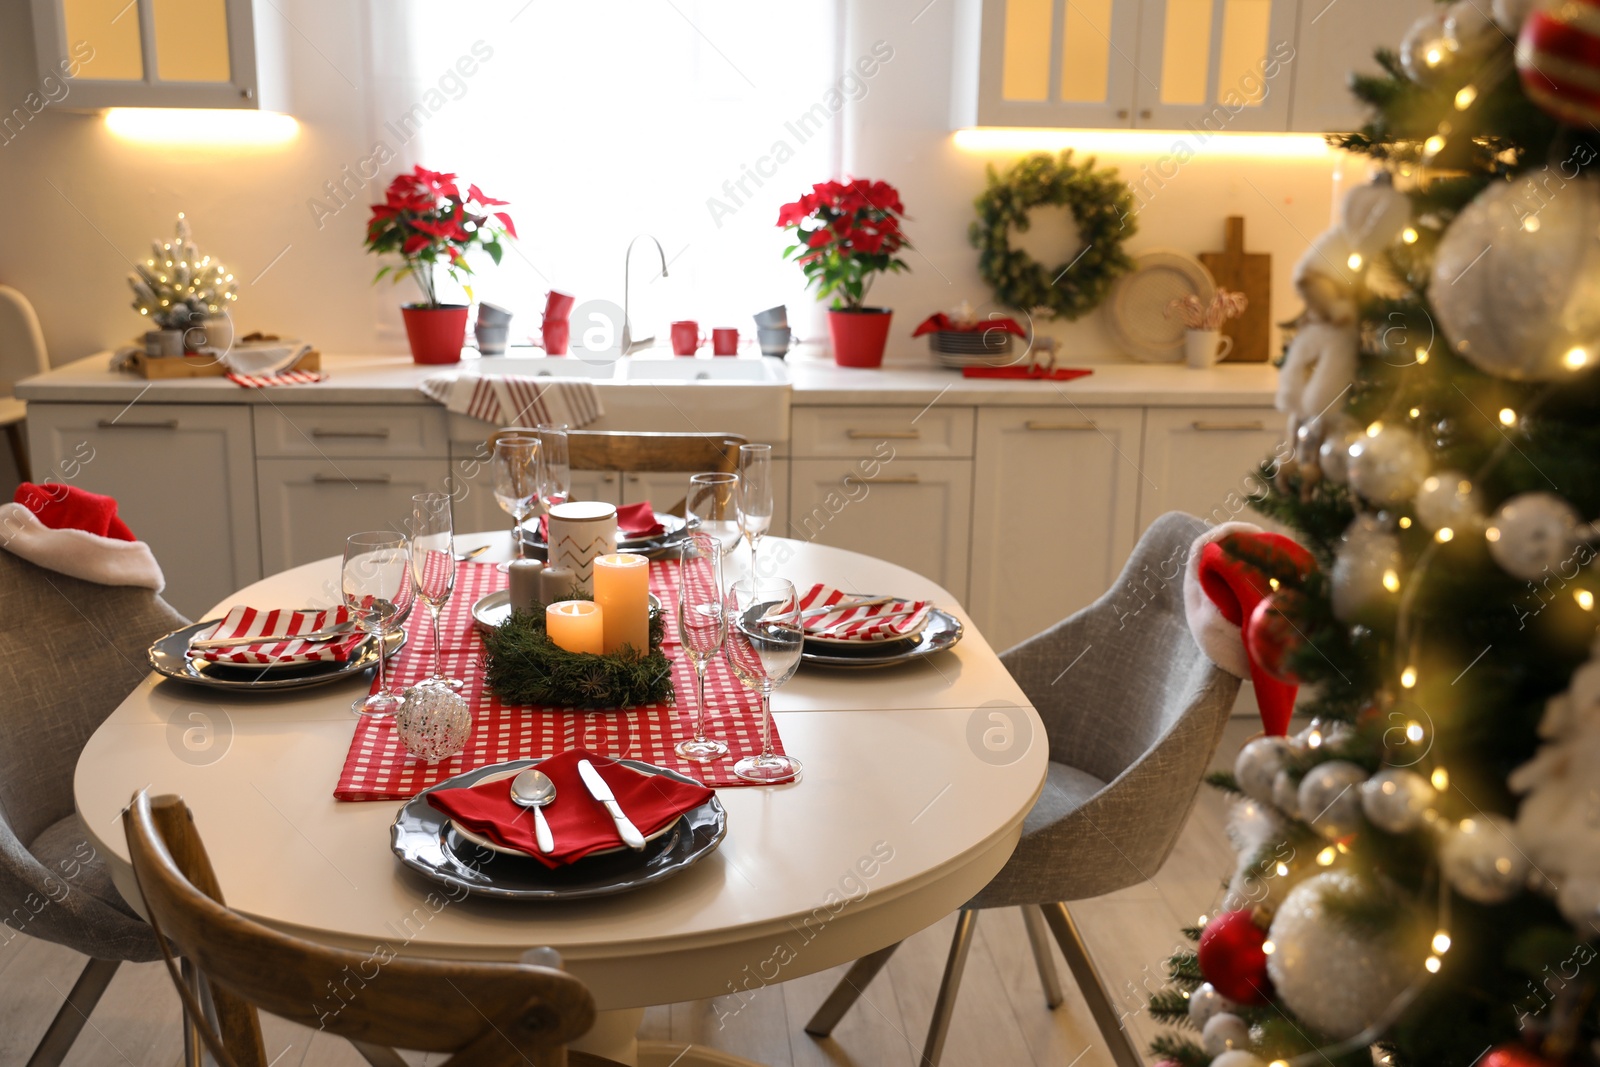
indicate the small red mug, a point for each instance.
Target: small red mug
{"x":686,"y":339}
{"x":558,"y":305}
{"x":725,"y":341}
{"x":557,"y":332}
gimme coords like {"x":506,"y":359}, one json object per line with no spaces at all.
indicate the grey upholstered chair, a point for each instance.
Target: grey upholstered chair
{"x":70,"y":650}
{"x":1132,"y":726}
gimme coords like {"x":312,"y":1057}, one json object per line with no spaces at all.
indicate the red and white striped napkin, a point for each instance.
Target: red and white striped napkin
{"x":861,"y":623}
{"x":517,"y":401}
{"x":288,"y":377}
{"x":277,"y":628}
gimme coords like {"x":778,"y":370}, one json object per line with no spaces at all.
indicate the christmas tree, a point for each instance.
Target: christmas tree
{"x":1418,"y":879}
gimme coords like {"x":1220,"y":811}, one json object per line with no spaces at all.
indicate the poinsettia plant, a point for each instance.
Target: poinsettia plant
{"x":847,"y":232}
{"x":429,"y":222}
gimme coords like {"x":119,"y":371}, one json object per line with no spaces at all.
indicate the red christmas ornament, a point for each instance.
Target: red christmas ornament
{"x":1512,"y":1055}
{"x":1557,"y":54}
{"x":1232,"y":960}
{"x":1271,"y":634}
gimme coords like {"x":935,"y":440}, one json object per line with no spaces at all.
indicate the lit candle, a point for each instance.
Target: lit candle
{"x":576,"y":625}
{"x":622,"y":589}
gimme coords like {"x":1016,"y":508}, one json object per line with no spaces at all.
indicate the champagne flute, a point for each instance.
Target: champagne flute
{"x":375,"y":582}
{"x":763,"y":649}
{"x":433,"y":567}
{"x":555,"y":469}
{"x":516,"y":481}
{"x":712,"y":507}
{"x":702,"y":626}
{"x":755,"y":496}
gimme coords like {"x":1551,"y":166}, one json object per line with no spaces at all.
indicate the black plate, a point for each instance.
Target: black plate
{"x":170,"y":656}
{"x":424,"y":840}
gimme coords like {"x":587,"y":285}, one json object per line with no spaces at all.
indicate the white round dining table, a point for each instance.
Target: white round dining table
{"x":916,"y":781}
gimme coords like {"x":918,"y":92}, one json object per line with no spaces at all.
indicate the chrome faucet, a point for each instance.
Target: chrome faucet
{"x":629,"y":345}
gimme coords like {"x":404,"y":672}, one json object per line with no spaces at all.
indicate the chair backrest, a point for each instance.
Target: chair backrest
{"x":1127,"y":696}
{"x":487,"y":1014}
{"x":22,"y":351}
{"x":607,"y":450}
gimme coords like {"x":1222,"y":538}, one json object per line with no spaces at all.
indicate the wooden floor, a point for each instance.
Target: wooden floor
{"x":1000,"y":1017}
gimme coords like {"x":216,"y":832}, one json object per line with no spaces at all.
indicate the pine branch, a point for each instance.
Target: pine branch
{"x":1181,"y":1050}
{"x":1224,"y":781}
{"x":1170,"y":1006}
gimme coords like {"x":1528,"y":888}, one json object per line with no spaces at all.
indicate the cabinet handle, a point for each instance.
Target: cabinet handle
{"x":609,"y":478}
{"x":891,"y":435}
{"x":377,"y":435}
{"x":1034,"y":425}
{"x":909,"y":479}
{"x":338,"y":479}
{"x":1144,"y":112}
{"x":1122,"y":112}
{"x":633,"y":478}
{"x":1203,"y":426}
{"x":153,"y":424}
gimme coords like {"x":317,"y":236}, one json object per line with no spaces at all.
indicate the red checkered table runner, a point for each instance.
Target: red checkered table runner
{"x":379,"y":768}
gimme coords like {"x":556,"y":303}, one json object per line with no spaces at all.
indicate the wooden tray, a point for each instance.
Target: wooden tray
{"x":202,"y":366}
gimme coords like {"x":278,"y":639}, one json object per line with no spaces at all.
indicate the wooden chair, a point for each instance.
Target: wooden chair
{"x":22,"y":354}
{"x":486,"y":1014}
{"x":605,"y":450}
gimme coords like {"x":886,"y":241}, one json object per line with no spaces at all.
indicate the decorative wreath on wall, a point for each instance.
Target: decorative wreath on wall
{"x":1102,"y":206}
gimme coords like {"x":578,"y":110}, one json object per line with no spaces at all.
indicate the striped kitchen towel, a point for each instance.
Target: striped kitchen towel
{"x":873,"y":622}
{"x":276,"y":628}
{"x":288,"y":377}
{"x":517,"y":401}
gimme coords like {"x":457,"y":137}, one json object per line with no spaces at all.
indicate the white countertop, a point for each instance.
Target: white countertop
{"x":815,"y":381}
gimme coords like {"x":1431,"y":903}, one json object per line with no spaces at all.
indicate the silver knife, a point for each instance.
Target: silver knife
{"x":600,"y":791}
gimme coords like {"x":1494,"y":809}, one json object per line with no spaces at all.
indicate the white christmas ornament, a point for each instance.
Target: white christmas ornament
{"x":1330,"y":798}
{"x":1533,"y":533}
{"x":1510,"y":14}
{"x":1366,"y":569}
{"x":1258,"y":763}
{"x":1481,"y":859}
{"x":1205,"y":1003}
{"x":1334,"y":455}
{"x":1338,"y":979}
{"x":1396,"y":799}
{"x":1389,"y":466}
{"x":1449,"y":500}
{"x":1223,"y":1033}
{"x":1516,"y":280}
{"x":1373,"y":216}
{"x":1286,"y":795}
{"x":1238,"y":1058}
{"x":1423,"y":50}
{"x":1469,"y":31}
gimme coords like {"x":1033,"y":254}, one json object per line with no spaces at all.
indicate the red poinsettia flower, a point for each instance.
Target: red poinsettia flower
{"x":818,"y":238}
{"x":415,"y":243}
{"x":847,"y":232}
{"x":867,"y":241}
{"x":425,"y":219}
{"x":505,"y":220}
{"x":474,"y":193}
{"x":791,"y":214}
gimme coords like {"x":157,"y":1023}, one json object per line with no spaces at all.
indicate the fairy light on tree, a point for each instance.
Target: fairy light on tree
{"x":176,"y":287}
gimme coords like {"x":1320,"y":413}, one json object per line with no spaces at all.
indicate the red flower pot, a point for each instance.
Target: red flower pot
{"x":436,"y":333}
{"x":858,"y":336}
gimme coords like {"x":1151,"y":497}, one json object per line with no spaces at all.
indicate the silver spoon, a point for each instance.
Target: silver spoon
{"x":534,"y":789}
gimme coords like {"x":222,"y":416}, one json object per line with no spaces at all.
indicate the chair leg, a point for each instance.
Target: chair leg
{"x":193,"y":1046}
{"x":1090,"y":986}
{"x":1039,"y":941}
{"x":944,"y":1005}
{"x":378,"y":1055}
{"x":19,"y":449}
{"x":70,"y":1020}
{"x":849,"y":989}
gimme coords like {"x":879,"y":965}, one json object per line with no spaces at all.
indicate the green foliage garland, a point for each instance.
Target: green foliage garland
{"x":1101,"y":204}
{"x":523,"y":666}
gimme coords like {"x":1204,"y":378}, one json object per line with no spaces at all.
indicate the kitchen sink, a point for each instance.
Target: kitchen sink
{"x":542,"y":366}
{"x":756,"y":371}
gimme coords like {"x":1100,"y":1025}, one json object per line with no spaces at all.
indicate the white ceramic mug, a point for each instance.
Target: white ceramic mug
{"x":1206,"y":348}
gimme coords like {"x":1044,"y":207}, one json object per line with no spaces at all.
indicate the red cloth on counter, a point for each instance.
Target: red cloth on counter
{"x":939,"y":321}
{"x":1026,"y":373}
{"x":66,"y":507}
{"x":579,"y":824}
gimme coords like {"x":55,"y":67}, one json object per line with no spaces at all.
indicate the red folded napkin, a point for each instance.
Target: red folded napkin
{"x":277,"y":628}
{"x":633,"y":520}
{"x":66,"y":507}
{"x":579,"y":824}
{"x":941,"y":322}
{"x":1066,"y":374}
{"x":864,"y":623}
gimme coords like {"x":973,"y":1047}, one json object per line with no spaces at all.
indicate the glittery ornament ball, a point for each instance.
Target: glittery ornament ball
{"x":433,"y":722}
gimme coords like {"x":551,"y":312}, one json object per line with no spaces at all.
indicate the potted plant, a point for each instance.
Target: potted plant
{"x":179,"y":290}
{"x":426,"y":220}
{"x":847,"y":232}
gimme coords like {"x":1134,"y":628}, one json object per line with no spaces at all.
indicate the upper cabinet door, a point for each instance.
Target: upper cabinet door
{"x":158,"y":53}
{"x":1216,"y":66}
{"x":1046,"y":63}
{"x":1337,"y":37}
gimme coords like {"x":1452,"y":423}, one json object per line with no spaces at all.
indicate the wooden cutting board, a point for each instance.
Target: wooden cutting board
{"x":1251,"y":274}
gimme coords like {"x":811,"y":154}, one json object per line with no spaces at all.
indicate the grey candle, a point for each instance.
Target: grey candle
{"x":525,"y":584}
{"x":556,"y":583}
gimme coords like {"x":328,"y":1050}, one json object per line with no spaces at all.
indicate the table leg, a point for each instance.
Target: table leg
{"x":615,"y":1035}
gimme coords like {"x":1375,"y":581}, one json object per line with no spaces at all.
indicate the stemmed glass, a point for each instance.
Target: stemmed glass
{"x":712,"y":503}
{"x":702,"y":626}
{"x":433,"y":567}
{"x":555,"y":469}
{"x":763,"y":648}
{"x":516,"y":481}
{"x":375,"y":581}
{"x":755,"y":496}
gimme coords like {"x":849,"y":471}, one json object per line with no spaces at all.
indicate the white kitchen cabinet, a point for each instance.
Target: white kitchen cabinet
{"x":1055,"y":502}
{"x":309,"y":506}
{"x":1335,"y":38}
{"x":184,"y":479}
{"x":151,"y":53}
{"x":1203,"y":460}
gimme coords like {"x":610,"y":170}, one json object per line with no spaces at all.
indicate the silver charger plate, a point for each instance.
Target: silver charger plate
{"x":941,"y":633}
{"x":169,"y":656}
{"x":674,"y":530}
{"x":491,"y":610}
{"x":424,"y":839}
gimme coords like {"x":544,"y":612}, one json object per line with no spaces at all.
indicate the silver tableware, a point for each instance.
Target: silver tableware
{"x":602,"y":792}
{"x":327,"y":633}
{"x":534,"y":789}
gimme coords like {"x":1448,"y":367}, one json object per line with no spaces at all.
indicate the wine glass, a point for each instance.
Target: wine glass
{"x":702,"y":626}
{"x":763,"y":649}
{"x":433,"y":566}
{"x":755,"y":495}
{"x":555,"y":469}
{"x":375,"y":582}
{"x":516,"y":481}
{"x":712,"y":504}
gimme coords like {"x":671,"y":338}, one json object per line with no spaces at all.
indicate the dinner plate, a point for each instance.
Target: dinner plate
{"x":483,"y":842}
{"x":1136,"y":310}
{"x":881,"y":645}
{"x":492,"y":610}
{"x":674,"y":529}
{"x":940,"y":634}
{"x":169,"y":656}
{"x":424,"y":839}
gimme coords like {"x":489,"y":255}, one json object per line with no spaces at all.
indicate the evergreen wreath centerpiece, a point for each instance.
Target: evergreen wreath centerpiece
{"x":523,"y":666}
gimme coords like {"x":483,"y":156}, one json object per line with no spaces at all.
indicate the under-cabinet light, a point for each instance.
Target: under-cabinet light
{"x":201,"y":126}
{"x":1199,"y":141}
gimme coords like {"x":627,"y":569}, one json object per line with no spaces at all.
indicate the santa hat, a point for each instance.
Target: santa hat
{"x":1220,"y":594}
{"x":77,"y":533}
